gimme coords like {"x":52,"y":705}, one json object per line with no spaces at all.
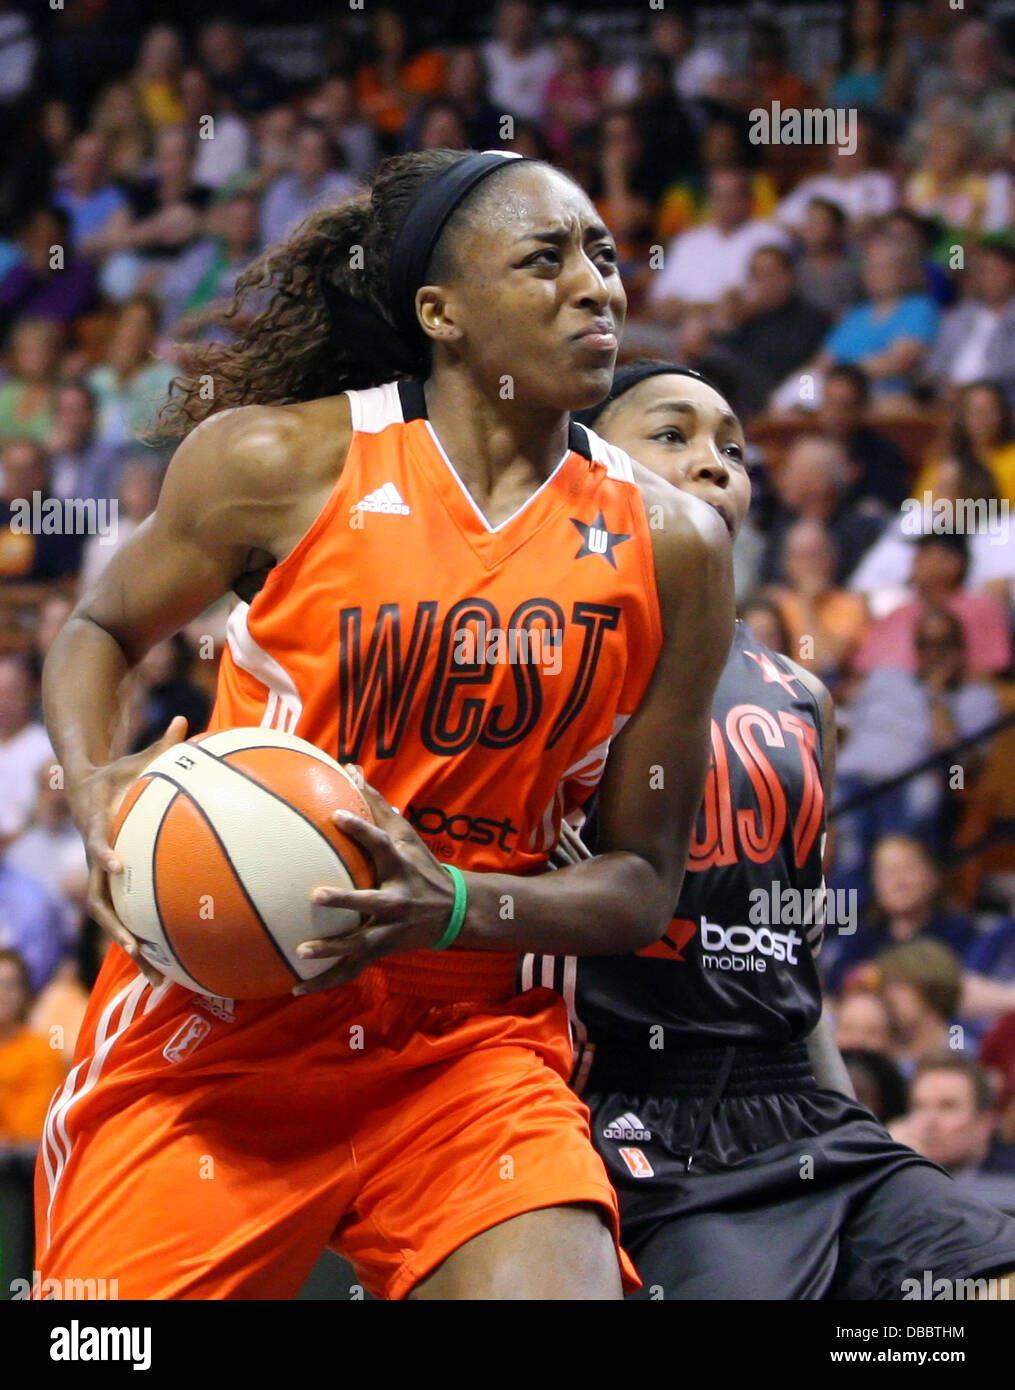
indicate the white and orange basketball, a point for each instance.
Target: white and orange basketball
{"x":222,"y":840}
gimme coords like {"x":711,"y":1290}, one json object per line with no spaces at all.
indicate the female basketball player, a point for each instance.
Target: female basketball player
{"x":388,"y":466}
{"x":740,"y":1174}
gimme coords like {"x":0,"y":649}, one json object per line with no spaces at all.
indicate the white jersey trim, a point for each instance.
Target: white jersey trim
{"x":56,"y":1143}
{"x":618,"y":464}
{"x":375,"y":408}
{"x":283,"y":706}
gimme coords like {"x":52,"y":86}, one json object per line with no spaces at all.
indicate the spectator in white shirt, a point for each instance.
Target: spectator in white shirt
{"x":977,"y":336}
{"x":698,"y":71}
{"x":333,"y":103}
{"x":884,"y":572}
{"x":222,"y":141}
{"x":20,"y":54}
{"x":705,"y":263}
{"x":51,"y":849}
{"x":518,"y":63}
{"x":24,"y":746}
{"x":1000,"y":206}
{"x":852,"y":183}
{"x":139,"y":491}
{"x":81,"y":464}
{"x":314,"y":181}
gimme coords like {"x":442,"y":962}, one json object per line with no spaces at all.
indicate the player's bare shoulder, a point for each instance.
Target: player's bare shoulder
{"x":262,"y":450}
{"x":259,"y":474}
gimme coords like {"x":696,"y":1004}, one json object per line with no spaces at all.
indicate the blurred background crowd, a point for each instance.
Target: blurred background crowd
{"x":856,"y":301}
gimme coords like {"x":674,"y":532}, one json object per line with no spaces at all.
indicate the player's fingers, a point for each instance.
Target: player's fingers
{"x":375,"y":840}
{"x":342,"y":973}
{"x":325,"y":980}
{"x":100,"y":907}
{"x":355,"y":944}
{"x":368,"y":902}
{"x":112,"y":926}
{"x":382,"y":811}
{"x":176,"y":732}
{"x":100,"y":852}
{"x":376,"y":912}
{"x":154,"y":977}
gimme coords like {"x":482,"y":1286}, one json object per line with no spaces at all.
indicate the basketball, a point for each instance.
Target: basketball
{"x":222,"y":840}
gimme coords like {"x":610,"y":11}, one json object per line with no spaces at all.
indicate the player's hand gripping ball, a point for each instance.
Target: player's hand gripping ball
{"x":223,"y":839}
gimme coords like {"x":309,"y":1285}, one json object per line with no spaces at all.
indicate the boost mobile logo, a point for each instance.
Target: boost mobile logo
{"x":747,"y":947}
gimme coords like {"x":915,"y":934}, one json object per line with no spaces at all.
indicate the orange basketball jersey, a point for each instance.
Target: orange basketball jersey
{"x":478,"y":674}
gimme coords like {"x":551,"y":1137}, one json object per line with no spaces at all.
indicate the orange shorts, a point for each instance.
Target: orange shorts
{"x":201,"y":1150}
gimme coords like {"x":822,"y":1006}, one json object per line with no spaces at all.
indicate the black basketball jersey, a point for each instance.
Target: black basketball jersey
{"x":736,"y":964}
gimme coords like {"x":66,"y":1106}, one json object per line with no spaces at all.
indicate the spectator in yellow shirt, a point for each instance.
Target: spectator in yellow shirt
{"x":944,"y":186}
{"x":983,"y":432}
{"x":156,"y":79}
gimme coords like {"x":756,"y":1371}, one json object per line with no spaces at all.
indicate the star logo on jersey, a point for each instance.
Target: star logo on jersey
{"x":598,"y":539}
{"x":772,"y":673}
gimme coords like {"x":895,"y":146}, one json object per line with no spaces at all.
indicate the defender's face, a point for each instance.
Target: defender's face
{"x":685,"y":431}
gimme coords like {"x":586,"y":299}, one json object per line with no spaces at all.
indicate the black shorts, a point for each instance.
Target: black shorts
{"x":793,"y":1192}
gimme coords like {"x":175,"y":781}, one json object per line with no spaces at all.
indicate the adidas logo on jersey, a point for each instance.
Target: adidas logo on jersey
{"x":384,"y":499}
{"x":219,"y":1008}
{"x":626,"y":1127}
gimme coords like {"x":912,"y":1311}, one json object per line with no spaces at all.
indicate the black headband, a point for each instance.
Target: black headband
{"x":422,"y":225}
{"x":626,"y":378}
{"x":357,"y":324}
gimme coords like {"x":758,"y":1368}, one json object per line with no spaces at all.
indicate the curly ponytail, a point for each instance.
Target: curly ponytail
{"x":284,"y":345}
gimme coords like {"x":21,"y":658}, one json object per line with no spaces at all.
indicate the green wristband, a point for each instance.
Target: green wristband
{"x":457,"y":919}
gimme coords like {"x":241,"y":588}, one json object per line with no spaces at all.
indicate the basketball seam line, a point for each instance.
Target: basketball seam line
{"x":155,"y":890}
{"x":155,"y":893}
{"x":242,"y":886}
{"x":288,"y":804}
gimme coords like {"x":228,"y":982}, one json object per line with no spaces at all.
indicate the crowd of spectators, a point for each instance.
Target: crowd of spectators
{"x":854,"y":298}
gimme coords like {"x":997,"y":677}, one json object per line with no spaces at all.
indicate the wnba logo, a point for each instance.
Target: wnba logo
{"x":186,"y":1038}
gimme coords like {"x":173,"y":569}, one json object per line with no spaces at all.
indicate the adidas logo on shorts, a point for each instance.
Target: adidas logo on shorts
{"x":384,"y":499}
{"x":626,"y":1127}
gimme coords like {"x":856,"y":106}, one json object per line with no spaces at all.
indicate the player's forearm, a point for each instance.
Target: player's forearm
{"x":80,"y":687}
{"x":610,"y":905}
